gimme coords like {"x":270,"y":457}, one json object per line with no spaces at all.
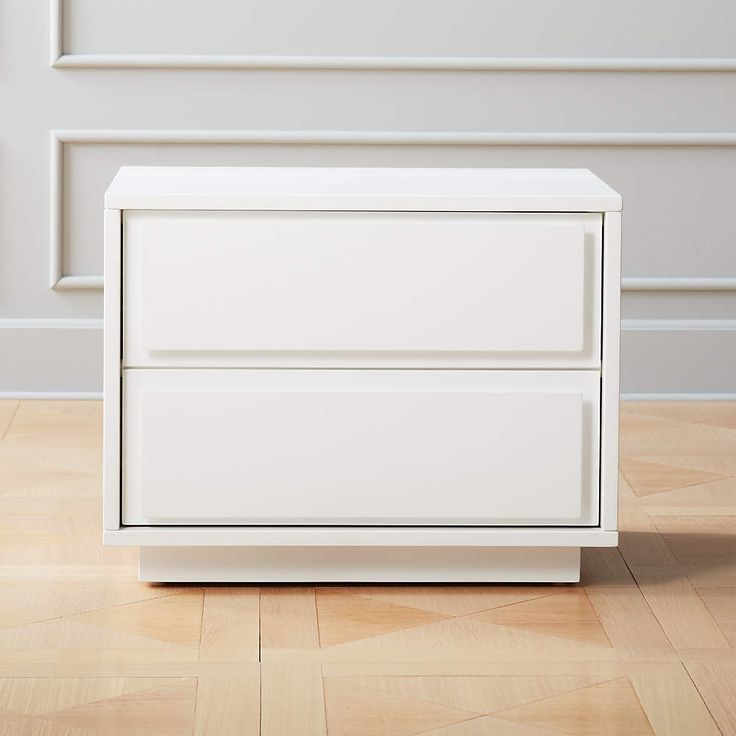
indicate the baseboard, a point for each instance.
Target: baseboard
{"x":97,"y":396}
{"x":52,"y":395}
{"x":678,"y":359}
{"x":51,"y":358}
{"x":661,"y":359}
{"x":679,"y":397}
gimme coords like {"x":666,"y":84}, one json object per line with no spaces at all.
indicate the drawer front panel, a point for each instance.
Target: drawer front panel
{"x":360,"y":447}
{"x":327,"y":289}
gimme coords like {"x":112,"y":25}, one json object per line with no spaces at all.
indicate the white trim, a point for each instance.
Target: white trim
{"x":97,"y":396}
{"x":50,"y":358}
{"x":675,"y":356}
{"x":627,"y":324}
{"x":394,"y":137}
{"x":393,"y":63}
{"x":56,"y":31}
{"x":676,"y":325}
{"x":78,"y":283}
{"x":687,"y":283}
{"x":686,"y":396}
{"x":57,"y":279}
{"x":29,"y":323}
{"x":61,"y":282}
{"x":52,"y":395}
{"x":56,"y":210}
{"x":59,"y":59}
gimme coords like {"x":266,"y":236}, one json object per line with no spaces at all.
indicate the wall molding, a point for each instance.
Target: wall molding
{"x":34,"y":323}
{"x":397,"y":137}
{"x":60,"y":59}
{"x":50,"y":358}
{"x":62,"y":358}
{"x":671,"y":359}
{"x":390,"y":63}
{"x":685,"y":396}
{"x":52,"y":395}
{"x":60,"y":281}
{"x":686,"y":283}
{"x":97,"y":396}
{"x":57,"y":279}
{"x":678,"y":325}
{"x":94,"y":323}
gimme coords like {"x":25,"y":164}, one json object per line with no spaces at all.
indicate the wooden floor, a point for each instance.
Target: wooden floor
{"x":644,"y":645}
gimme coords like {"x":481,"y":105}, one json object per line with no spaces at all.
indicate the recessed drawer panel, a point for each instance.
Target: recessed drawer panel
{"x":360,"y":447}
{"x":323,"y":289}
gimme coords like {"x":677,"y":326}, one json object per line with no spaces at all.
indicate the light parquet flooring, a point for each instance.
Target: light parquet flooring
{"x":644,"y":645}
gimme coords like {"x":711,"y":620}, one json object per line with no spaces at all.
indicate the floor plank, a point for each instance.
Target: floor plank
{"x":644,"y":644}
{"x":716,"y":681}
{"x":292,"y":700}
{"x":228,"y":705}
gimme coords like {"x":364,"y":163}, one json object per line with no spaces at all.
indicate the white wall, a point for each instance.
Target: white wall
{"x":642,"y":93}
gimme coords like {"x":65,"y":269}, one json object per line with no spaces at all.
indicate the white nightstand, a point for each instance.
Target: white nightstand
{"x":338,"y":374}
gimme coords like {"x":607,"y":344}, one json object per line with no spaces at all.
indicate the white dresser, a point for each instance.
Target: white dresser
{"x":336,"y":374}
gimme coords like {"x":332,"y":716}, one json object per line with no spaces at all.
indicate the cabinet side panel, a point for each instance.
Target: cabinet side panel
{"x":111,"y":374}
{"x":610,"y":371}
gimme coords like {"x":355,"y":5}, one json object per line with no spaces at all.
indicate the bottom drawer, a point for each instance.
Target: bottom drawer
{"x":360,"y":447}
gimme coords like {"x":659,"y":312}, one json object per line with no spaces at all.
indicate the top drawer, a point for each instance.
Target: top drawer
{"x":390,"y":289}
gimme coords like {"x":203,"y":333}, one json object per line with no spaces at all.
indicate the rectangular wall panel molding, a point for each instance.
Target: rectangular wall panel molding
{"x":431,"y":83}
{"x":59,"y":279}
{"x":526,"y":35}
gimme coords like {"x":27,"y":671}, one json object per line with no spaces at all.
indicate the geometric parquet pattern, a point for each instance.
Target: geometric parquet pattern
{"x":644,"y":645}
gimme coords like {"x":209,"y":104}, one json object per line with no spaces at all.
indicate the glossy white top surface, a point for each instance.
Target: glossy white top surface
{"x":336,"y":188}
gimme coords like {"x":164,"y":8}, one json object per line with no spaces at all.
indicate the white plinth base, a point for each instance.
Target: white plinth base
{"x":360,"y":564}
